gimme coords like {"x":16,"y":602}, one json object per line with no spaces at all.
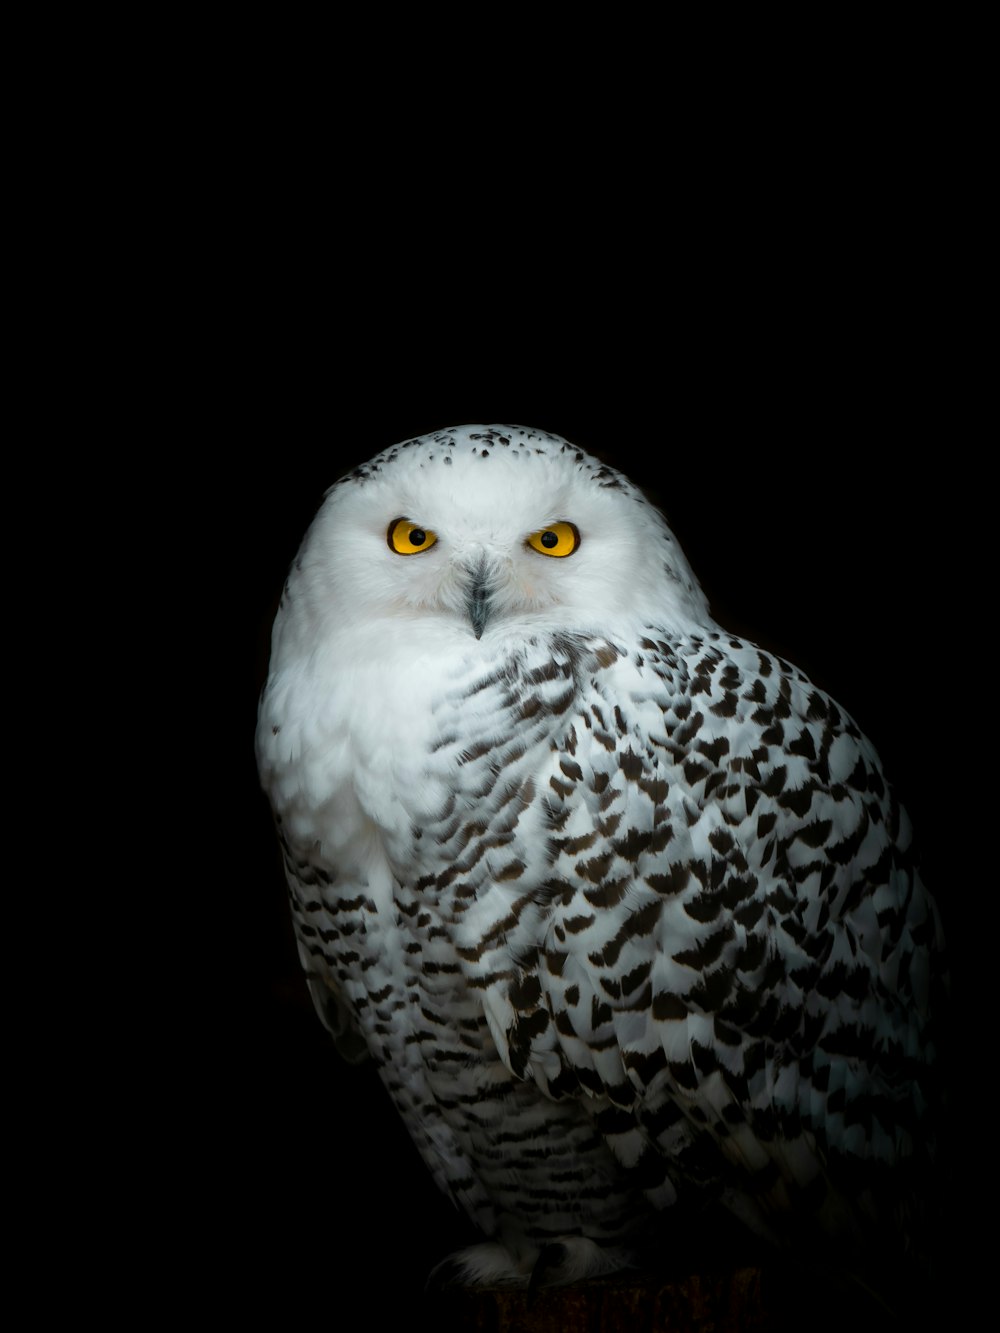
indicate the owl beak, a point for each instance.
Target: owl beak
{"x":478,"y":605}
{"x":477,"y":602}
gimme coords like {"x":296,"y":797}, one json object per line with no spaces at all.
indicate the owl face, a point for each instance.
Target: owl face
{"x":482,"y":532}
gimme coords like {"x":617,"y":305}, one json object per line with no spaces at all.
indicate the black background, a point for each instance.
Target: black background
{"x":749,"y":274}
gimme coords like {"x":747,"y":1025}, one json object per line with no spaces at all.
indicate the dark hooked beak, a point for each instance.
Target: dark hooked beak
{"x":477,"y":602}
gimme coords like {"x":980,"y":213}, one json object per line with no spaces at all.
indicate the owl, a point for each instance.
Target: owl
{"x":619,"y":904}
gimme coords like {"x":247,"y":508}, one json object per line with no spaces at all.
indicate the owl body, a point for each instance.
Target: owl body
{"x":620,"y":905}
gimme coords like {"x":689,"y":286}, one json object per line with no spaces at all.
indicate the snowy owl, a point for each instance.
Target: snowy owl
{"x":620,"y":905}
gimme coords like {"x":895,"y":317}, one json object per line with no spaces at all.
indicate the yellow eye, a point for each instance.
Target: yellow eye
{"x":406,"y":538}
{"x":557,"y":539}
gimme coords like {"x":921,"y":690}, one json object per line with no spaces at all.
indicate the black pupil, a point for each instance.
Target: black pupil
{"x":550,"y":539}
{"x":417,"y":536}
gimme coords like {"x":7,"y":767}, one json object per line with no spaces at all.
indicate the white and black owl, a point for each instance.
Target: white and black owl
{"x":620,"y":905}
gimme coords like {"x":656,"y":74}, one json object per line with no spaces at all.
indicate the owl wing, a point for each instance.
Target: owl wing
{"x":325,"y":951}
{"x":309,"y":913}
{"x":736,"y":960}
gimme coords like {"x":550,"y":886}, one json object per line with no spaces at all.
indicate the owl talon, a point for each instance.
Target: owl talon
{"x":550,"y":1259}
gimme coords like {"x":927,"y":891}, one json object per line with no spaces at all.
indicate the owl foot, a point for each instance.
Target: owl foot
{"x":573,"y":1258}
{"x":568,"y":1259}
{"x":548,"y":1266}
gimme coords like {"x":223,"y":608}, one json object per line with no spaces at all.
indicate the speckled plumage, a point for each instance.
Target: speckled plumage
{"x":621,"y":905}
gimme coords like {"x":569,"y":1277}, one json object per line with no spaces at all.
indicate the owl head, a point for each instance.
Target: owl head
{"x":477,"y":533}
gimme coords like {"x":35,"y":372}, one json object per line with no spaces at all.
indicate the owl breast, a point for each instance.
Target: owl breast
{"x":416,"y":871}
